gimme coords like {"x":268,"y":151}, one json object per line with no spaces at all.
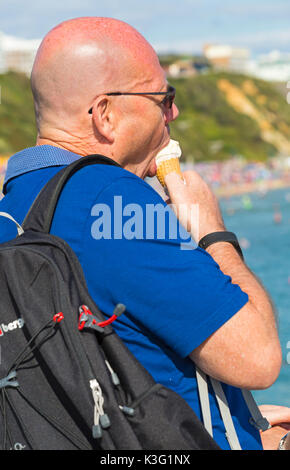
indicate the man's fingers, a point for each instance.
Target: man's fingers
{"x":276,"y":414}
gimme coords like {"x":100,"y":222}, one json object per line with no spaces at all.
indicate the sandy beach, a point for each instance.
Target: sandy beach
{"x":257,"y":186}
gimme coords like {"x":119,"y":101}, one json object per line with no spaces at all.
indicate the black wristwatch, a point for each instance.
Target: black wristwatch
{"x":216,"y":237}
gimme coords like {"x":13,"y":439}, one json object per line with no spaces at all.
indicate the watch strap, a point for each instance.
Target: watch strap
{"x":216,"y":237}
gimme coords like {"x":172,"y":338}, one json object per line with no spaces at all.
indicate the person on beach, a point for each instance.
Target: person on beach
{"x":98,"y":88}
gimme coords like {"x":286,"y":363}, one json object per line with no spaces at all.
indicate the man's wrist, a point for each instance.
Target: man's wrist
{"x":220,"y":237}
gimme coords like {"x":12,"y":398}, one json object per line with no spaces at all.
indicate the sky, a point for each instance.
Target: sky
{"x":182,"y":26}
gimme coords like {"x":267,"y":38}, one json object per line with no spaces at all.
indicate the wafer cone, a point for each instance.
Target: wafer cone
{"x":167,"y":161}
{"x":168,"y":166}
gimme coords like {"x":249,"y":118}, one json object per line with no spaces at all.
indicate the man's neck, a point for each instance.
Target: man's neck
{"x":63,"y":145}
{"x":78,"y":148}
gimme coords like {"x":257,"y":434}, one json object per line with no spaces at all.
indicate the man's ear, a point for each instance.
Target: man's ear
{"x":104,"y":118}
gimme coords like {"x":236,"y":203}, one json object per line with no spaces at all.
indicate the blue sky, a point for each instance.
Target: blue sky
{"x":170,"y":25}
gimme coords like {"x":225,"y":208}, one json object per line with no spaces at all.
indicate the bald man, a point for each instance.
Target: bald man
{"x":68,"y":79}
{"x":183,"y":306}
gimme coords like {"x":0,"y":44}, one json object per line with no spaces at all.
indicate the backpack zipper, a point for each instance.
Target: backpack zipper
{"x":101,"y":419}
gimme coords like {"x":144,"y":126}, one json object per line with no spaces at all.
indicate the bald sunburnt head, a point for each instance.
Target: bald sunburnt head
{"x":78,"y":63}
{"x":80,"y":59}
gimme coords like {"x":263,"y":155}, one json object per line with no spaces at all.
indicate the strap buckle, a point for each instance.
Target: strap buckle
{"x":8,"y":380}
{"x":88,"y":320}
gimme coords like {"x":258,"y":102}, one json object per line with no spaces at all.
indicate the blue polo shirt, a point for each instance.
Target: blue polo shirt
{"x":175,"y":294}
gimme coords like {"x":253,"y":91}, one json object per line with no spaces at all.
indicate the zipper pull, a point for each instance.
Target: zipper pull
{"x":127,"y":410}
{"x":114,"y":376}
{"x":101,"y":419}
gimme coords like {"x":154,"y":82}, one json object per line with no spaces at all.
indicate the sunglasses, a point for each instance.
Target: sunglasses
{"x":167,"y":101}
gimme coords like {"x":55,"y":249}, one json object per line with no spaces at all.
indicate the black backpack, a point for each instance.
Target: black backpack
{"x":67,"y":381}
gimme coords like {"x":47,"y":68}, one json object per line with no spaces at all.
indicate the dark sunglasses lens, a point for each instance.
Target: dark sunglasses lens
{"x":169,"y":98}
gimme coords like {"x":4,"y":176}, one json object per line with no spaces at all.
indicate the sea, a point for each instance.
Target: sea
{"x":261,"y":222}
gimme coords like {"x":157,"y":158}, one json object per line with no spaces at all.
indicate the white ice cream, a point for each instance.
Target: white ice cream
{"x":172,"y":150}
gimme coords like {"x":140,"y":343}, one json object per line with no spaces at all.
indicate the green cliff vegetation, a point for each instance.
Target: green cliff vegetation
{"x":17,"y":123}
{"x":221,"y":115}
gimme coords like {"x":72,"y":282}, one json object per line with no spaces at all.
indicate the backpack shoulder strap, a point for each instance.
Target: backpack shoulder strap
{"x":20,"y":230}
{"x":40,"y":214}
{"x":256,"y":419}
{"x":202,"y":385}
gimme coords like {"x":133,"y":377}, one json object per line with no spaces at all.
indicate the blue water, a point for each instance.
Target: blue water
{"x":267,"y":253}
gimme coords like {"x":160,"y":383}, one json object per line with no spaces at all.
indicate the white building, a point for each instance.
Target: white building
{"x":17,"y":54}
{"x":274,"y":66}
{"x":225,"y":57}
{"x":2,"y":58}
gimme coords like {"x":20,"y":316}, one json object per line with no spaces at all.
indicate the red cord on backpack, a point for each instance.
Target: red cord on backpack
{"x":85,"y":311}
{"x":110,"y":320}
{"x":58,"y":317}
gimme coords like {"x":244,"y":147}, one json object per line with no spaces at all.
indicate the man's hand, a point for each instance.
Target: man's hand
{"x":194,"y":194}
{"x":279,"y":418}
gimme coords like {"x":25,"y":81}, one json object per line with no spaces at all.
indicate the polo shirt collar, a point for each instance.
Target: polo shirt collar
{"x":34,"y":158}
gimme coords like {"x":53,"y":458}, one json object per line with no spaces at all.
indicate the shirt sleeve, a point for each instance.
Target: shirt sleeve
{"x":172,"y":289}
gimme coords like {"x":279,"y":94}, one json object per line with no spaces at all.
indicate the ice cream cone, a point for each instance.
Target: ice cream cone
{"x":168,"y":166}
{"x":167,"y":161}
